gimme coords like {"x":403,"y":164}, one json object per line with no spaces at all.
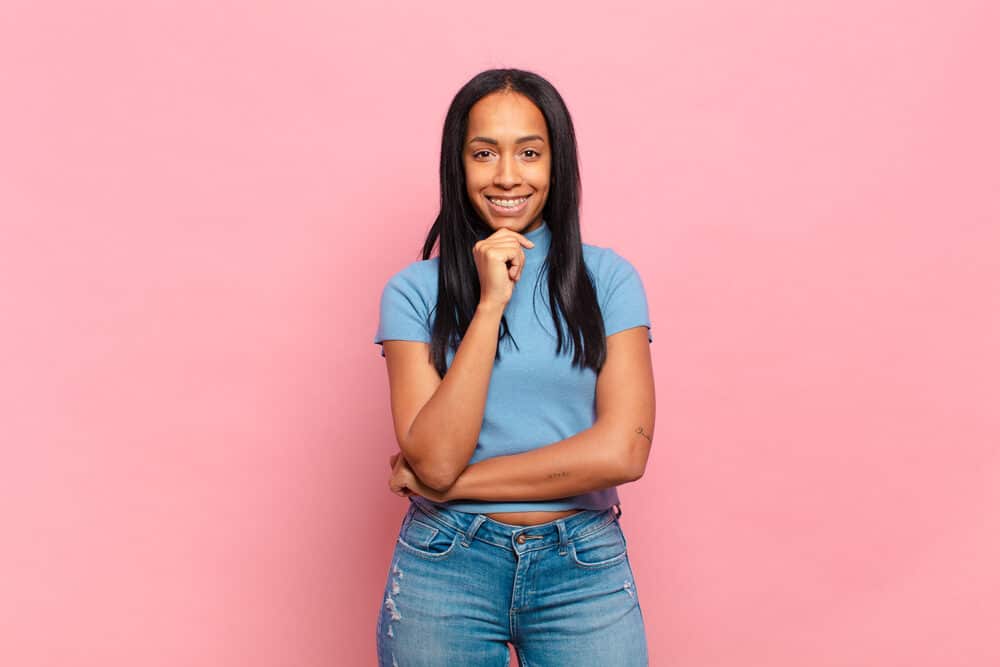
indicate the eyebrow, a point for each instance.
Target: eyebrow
{"x":487,"y":140}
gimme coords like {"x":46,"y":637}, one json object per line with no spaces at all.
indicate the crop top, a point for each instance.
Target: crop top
{"x":535,"y":398}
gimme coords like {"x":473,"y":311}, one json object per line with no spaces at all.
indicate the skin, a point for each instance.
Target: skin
{"x":507,"y":168}
{"x":615,"y":449}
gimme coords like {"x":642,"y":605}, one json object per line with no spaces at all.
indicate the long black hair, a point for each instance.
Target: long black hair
{"x":459,"y":227}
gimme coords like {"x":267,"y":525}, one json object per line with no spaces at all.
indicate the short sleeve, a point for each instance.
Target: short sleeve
{"x":625,"y":303}
{"x":404,"y":313}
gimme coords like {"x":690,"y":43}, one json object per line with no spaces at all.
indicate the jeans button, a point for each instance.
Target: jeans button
{"x":521,"y":539}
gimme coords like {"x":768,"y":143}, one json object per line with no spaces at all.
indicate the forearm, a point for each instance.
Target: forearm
{"x":592,"y":459}
{"x":444,"y":433}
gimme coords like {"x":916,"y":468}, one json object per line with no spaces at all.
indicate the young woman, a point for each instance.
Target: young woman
{"x":522,"y":394}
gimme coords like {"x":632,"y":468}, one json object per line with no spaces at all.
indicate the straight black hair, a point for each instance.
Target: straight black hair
{"x":458,"y":227}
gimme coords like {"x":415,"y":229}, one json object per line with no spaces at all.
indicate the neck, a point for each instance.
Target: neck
{"x":542,"y":238}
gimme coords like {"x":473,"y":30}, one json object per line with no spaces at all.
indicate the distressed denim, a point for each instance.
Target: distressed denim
{"x":462,"y":585}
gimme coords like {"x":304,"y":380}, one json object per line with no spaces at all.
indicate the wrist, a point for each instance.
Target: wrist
{"x":489,"y":309}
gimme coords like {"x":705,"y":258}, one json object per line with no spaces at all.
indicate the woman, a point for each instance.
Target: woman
{"x":519,"y":413}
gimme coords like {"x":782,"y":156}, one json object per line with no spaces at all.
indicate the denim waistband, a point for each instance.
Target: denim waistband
{"x":515,"y":537}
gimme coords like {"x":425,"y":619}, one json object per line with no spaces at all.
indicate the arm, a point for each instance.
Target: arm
{"x":613,"y":451}
{"x":437,"y":421}
{"x":583,"y":462}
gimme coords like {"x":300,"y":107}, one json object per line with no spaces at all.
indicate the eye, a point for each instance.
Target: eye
{"x":531,"y":150}
{"x":477,"y":153}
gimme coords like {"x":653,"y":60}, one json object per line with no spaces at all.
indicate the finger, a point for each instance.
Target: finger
{"x":521,"y":238}
{"x":519,"y":265}
{"x":511,"y":256}
{"x":503,"y":252}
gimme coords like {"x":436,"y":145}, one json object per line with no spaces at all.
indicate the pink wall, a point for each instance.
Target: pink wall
{"x":199,"y":206}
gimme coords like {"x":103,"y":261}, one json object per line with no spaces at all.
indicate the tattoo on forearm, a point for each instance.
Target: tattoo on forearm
{"x":639,"y":430}
{"x":558,"y":474}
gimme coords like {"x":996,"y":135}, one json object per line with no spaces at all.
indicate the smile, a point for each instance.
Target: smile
{"x":507,"y":204}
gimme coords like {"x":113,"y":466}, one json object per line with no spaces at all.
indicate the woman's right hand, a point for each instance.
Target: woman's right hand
{"x":496,"y":276}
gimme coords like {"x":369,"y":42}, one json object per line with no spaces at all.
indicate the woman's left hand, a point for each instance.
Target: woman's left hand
{"x":404,"y":482}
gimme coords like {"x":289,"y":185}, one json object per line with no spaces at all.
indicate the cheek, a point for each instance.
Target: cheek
{"x":472,"y":193}
{"x":471,"y":187}
{"x":542,"y":185}
{"x":473,"y":180}
{"x":542,"y":177}
{"x":474,"y":196}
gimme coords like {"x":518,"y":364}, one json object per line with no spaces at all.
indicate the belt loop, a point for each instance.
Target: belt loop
{"x":470,"y":532}
{"x":563,"y":536}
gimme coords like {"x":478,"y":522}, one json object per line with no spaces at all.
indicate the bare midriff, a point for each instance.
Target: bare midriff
{"x":530,"y":518}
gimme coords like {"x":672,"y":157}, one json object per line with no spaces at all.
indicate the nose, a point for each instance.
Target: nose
{"x":508,"y":173}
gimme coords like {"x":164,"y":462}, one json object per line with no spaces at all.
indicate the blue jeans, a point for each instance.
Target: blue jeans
{"x":462,"y":585}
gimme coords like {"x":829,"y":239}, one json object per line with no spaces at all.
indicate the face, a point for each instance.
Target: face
{"x":507,"y":161}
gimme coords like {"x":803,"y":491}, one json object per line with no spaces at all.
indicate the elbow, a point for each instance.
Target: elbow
{"x":438,"y":478}
{"x":635,"y":473}
{"x":634,"y":462}
{"x":430,"y":469}
{"x":434,"y":474}
{"x":624,"y":469}
{"x":632,"y":473}
{"x":630,"y":448}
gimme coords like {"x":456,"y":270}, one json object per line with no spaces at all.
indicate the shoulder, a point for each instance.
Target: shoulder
{"x":616,"y":279}
{"x":412,"y":289}
{"x":407,"y":302}
{"x":419,"y":277}
{"x":620,"y":292}
{"x":606,"y":264}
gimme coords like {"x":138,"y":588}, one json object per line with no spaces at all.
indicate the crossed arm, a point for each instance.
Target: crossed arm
{"x":611,"y":452}
{"x":607,"y":454}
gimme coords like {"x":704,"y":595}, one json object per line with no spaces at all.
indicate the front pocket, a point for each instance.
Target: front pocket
{"x":425,"y":540}
{"x":603,"y":548}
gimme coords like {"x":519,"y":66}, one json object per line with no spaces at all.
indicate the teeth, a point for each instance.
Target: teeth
{"x":508,"y":203}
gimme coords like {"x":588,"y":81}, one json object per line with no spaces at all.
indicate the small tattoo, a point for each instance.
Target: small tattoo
{"x":638,"y":429}
{"x":558,"y":474}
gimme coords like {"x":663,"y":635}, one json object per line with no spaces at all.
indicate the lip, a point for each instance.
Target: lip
{"x":507,"y":211}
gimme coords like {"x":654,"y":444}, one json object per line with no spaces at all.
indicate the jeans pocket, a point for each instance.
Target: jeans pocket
{"x":602,"y":548}
{"x":426,"y":538}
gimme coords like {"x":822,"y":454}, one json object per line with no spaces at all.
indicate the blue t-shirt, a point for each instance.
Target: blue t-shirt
{"x":535,"y":398}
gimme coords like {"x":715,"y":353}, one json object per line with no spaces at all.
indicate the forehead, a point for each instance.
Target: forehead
{"x":506,"y":115}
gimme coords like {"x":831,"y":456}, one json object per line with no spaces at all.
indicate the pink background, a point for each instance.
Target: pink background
{"x":200,"y":205}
